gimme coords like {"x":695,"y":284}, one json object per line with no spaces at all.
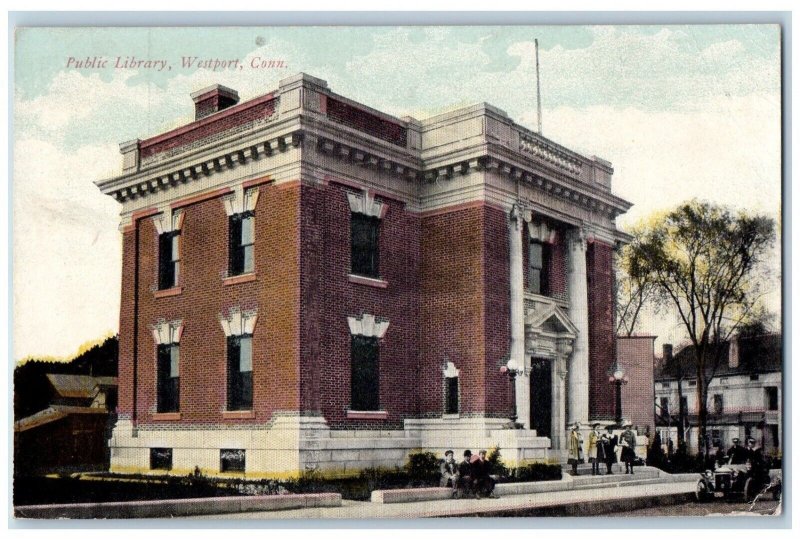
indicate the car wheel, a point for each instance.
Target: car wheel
{"x":700,"y":491}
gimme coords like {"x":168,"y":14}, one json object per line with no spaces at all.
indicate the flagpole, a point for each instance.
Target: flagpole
{"x":538,"y":89}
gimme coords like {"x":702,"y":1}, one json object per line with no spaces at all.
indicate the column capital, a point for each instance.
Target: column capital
{"x":577,"y":237}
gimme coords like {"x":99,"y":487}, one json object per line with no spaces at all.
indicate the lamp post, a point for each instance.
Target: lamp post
{"x":618,"y":378}
{"x":511,"y":369}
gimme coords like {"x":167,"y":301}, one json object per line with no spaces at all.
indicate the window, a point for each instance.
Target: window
{"x":684,"y":405}
{"x":771,"y":393}
{"x":231,"y":460}
{"x":538,"y":263}
{"x":692,"y":383}
{"x":241,"y":239}
{"x":168,"y":378}
{"x":717,"y":403}
{"x":364,"y":373}
{"x":161,"y":459}
{"x":664,"y":404}
{"x":364,"y":236}
{"x":240,"y":373}
{"x":168,"y":259}
{"x":451,"y":395}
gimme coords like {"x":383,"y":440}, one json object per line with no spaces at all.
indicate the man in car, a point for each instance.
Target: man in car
{"x":737,"y":454}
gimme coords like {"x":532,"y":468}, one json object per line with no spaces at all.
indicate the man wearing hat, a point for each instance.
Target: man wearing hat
{"x":737,"y":454}
{"x":464,"y":479}
{"x":628,"y":443}
{"x":449,"y":470}
{"x":575,"y":448}
{"x":594,"y":449}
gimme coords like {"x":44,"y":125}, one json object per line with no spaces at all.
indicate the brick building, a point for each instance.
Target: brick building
{"x":744,"y":394}
{"x":636,"y":356}
{"x":309,"y":283}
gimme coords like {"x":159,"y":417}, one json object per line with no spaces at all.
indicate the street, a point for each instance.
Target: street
{"x":719,"y":508}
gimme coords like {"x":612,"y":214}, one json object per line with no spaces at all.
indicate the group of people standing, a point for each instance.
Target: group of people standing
{"x":469,"y":478}
{"x":602,"y":448}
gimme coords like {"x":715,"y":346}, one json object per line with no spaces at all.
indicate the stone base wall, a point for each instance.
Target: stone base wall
{"x":289,"y":446}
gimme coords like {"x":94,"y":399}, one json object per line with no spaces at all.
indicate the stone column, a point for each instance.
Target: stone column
{"x":517,"y":300}
{"x":558,"y":412}
{"x":578,"y":378}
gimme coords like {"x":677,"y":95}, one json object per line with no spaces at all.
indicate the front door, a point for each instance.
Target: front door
{"x":541,"y":396}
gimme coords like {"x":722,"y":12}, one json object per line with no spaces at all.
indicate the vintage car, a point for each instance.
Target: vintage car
{"x":738,"y":481}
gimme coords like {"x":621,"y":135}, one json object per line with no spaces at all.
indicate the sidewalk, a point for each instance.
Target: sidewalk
{"x":582,"y":502}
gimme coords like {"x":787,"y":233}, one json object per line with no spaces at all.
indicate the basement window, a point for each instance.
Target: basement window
{"x":161,"y":459}
{"x":231,"y":460}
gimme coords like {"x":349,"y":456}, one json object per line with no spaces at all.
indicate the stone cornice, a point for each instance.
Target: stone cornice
{"x":197,"y":165}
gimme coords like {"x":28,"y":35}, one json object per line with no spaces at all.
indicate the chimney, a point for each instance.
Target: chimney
{"x":666,"y":352}
{"x":213,"y":99}
{"x":733,"y":352}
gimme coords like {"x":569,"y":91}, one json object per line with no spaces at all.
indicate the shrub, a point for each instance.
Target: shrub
{"x":537,"y":472}
{"x":496,"y":465}
{"x":423,"y":468}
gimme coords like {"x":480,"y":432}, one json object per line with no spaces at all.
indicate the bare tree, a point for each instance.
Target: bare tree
{"x":634,"y":294}
{"x":702,"y":260}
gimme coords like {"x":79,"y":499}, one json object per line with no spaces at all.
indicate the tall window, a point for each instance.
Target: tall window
{"x":364,"y":373}
{"x":451,"y":395}
{"x":538,"y":263}
{"x":241,"y":231}
{"x":771,"y":393}
{"x":718,"y":404}
{"x":684,"y":405}
{"x":240,"y":373}
{"x":664,"y":404}
{"x":168,"y":259}
{"x":168,"y":390}
{"x":364,"y":235}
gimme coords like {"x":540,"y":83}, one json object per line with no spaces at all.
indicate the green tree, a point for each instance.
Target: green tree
{"x":703,"y":260}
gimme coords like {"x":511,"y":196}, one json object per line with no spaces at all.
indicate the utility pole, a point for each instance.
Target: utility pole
{"x":538,"y":89}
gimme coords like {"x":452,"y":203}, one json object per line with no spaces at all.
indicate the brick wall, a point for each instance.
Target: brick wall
{"x":204,"y":260}
{"x":464,"y":309}
{"x":207,"y":129}
{"x":329,"y":298}
{"x":635,"y":354}
{"x":599,"y":271}
{"x":362,"y":120}
{"x":497,"y":323}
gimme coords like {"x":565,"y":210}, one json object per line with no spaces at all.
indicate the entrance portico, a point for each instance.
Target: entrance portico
{"x":549,"y":338}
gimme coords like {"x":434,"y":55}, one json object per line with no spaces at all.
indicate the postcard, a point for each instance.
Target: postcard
{"x":343,"y":272}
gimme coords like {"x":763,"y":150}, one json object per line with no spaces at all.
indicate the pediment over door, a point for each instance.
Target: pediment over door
{"x":549,"y":333}
{"x":551,"y":320}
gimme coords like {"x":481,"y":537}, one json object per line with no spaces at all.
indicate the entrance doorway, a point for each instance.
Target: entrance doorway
{"x":541,"y":396}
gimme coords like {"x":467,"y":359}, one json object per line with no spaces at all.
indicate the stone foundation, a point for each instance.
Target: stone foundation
{"x":289,"y":446}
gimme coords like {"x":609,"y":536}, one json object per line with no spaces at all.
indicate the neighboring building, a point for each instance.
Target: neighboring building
{"x":309,"y":283}
{"x":744,"y":395}
{"x":636,"y":356}
{"x":73,"y":432}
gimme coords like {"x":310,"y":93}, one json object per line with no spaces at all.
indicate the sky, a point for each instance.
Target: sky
{"x":680,"y":111}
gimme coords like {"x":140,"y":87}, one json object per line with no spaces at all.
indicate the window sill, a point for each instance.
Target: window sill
{"x":164,"y":293}
{"x":372,"y":282}
{"x":241,"y":278}
{"x":367,"y":415}
{"x":238,"y":415}
{"x":451,"y":416}
{"x":166,"y":416}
